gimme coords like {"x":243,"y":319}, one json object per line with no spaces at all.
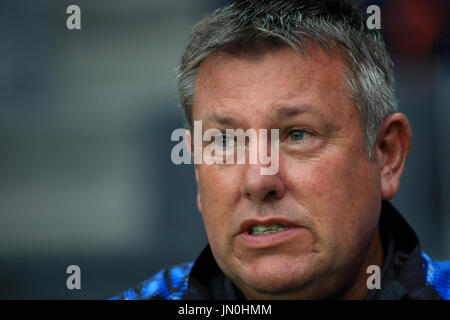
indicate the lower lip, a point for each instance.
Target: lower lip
{"x":268,"y":240}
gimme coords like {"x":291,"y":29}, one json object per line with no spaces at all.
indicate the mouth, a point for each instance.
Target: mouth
{"x":259,"y":227}
{"x":258,"y":230}
{"x":258,"y":234}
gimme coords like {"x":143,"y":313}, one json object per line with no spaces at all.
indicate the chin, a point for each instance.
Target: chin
{"x":276,"y":276}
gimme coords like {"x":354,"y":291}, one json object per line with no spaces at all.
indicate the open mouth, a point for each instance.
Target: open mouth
{"x":259,"y":234}
{"x":258,"y":230}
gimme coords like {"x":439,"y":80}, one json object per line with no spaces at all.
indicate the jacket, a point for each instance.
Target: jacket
{"x":407,"y":273}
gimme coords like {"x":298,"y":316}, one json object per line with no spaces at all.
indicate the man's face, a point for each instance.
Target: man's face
{"x":326,"y":191}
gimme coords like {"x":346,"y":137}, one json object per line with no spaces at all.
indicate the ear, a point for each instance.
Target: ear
{"x":199,"y":202}
{"x":191,"y":150}
{"x":392,"y":148}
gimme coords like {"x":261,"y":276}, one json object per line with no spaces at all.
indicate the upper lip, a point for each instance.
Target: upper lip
{"x":248,"y":223}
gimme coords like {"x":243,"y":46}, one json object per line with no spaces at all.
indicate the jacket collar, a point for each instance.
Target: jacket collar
{"x":402,"y":274}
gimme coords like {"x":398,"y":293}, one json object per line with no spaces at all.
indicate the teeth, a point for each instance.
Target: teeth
{"x":267,"y":229}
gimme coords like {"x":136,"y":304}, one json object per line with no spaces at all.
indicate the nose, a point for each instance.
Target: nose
{"x":258,"y":187}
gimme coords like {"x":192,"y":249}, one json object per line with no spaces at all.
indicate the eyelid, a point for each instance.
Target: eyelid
{"x":218,"y":138}
{"x":230,"y":136}
{"x":307,"y":140}
{"x":307,"y":131}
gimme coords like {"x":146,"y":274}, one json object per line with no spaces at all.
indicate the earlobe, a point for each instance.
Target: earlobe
{"x":393,"y":144}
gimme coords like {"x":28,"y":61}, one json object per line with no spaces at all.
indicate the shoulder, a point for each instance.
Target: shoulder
{"x":167,"y":284}
{"x":437,"y":275}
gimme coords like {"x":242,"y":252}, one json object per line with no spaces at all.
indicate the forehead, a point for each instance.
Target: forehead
{"x":231,"y":85}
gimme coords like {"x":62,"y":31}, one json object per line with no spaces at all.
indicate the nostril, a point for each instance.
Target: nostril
{"x":272,"y":193}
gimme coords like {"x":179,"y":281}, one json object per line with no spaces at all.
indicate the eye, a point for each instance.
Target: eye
{"x":224,"y":140}
{"x":297,"y":135}
{"x":298,"y":141}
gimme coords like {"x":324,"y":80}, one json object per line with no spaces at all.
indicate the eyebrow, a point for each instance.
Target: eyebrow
{"x":223,"y":120}
{"x":283,"y":112}
{"x":279,"y":113}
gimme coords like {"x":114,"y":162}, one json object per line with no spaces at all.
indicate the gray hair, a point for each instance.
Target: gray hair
{"x":256,"y":26}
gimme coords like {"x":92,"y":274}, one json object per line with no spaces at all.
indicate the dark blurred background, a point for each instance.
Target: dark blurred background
{"x":85,"y":123}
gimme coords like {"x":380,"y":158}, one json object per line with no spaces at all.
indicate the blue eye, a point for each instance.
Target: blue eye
{"x":225,"y":140}
{"x":296,"y":135}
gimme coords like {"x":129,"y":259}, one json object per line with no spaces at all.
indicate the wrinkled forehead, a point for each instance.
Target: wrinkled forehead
{"x":228,"y":82}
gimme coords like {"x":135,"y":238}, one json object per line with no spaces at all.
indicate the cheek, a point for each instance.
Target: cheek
{"x":218,"y":187}
{"x":339,"y":193}
{"x":219,"y":191}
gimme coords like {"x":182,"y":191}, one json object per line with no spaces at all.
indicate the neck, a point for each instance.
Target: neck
{"x":374,"y":256}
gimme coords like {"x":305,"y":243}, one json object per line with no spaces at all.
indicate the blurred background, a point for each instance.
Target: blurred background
{"x":85,"y":121}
